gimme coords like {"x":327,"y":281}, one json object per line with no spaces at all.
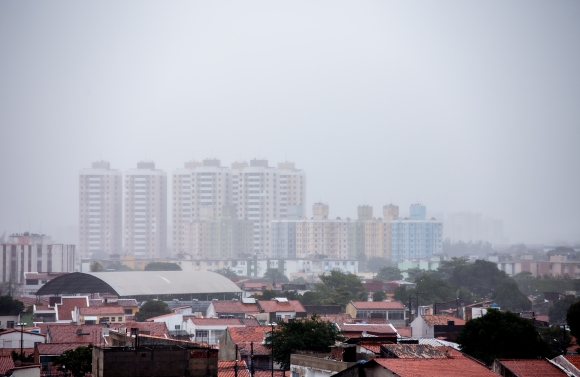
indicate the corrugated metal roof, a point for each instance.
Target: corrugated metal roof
{"x":137,"y":283}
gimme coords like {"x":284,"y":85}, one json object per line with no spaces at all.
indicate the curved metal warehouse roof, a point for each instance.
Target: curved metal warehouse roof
{"x":136,"y":283}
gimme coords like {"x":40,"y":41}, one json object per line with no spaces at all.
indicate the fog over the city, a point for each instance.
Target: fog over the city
{"x":462,"y":106}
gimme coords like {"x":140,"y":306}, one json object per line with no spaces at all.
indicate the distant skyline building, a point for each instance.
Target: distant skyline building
{"x":258,"y":193}
{"x":468,"y":226}
{"x":100,"y":211}
{"x":146,"y":211}
{"x":27,"y":252}
{"x":390,"y":237}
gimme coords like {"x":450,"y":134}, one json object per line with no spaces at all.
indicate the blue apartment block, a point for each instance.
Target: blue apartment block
{"x":413,"y":239}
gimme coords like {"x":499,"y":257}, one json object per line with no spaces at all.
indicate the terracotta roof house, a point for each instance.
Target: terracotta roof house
{"x":236,"y":309}
{"x":569,"y":362}
{"x":358,"y":330}
{"x":392,"y":311}
{"x":66,"y":309}
{"x":436,"y":326}
{"x":232,"y":368}
{"x":45,"y":353}
{"x":6,"y":363}
{"x":209,"y":330}
{"x":412,"y":351}
{"x":423,"y":367}
{"x":100,"y":314}
{"x":278,"y":309}
{"x":247,"y":339}
{"x":527,"y":368}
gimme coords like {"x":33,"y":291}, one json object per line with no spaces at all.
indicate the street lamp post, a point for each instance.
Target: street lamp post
{"x":21,"y":325}
{"x":272,"y":340}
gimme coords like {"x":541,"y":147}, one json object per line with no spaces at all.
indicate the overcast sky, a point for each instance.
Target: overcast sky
{"x":462,"y":105}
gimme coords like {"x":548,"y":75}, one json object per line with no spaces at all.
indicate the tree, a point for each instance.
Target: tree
{"x":557,"y":338}
{"x":118,"y":266}
{"x":501,"y":335}
{"x":304,"y":334}
{"x":274,"y":274}
{"x":162,"y":266}
{"x":299,"y":280}
{"x":227,"y":272}
{"x":338,"y":288}
{"x":414,"y":273}
{"x":430,"y":290}
{"x":151,"y":309}
{"x":509,"y":297}
{"x":389,"y":274}
{"x":78,"y":362}
{"x":379,"y":296}
{"x":10,"y":306}
{"x":96,"y":267}
{"x":573,"y":319}
{"x":481,"y":277}
{"x":557,"y":312}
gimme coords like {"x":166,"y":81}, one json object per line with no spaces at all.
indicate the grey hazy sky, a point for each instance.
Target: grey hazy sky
{"x":464,"y":105}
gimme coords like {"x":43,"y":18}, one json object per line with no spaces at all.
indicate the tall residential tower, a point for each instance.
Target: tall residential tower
{"x":146,"y":211}
{"x":100,"y":213}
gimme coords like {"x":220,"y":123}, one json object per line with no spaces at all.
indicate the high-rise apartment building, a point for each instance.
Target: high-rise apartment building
{"x":390,"y":237}
{"x":259,"y":193}
{"x":100,"y":211}
{"x":33,"y":253}
{"x":146,"y":211}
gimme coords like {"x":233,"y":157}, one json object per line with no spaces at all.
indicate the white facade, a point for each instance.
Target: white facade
{"x":258,"y":193}
{"x":11,"y":339}
{"x":146,"y":211}
{"x":100,"y":213}
{"x":33,"y":253}
{"x":173,"y":321}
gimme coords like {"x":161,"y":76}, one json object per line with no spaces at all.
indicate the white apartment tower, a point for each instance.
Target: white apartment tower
{"x":260,"y":193}
{"x":100,"y":213}
{"x":146,"y":211}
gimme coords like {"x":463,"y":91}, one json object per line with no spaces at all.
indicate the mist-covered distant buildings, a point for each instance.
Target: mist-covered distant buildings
{"x":468,"y":226}
{"x":391,"y":237}
{"x":100,"y":210}
{"x":27,"y":252}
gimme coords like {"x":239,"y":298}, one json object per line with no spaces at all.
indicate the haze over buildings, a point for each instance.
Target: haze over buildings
{"x":463,"y":106}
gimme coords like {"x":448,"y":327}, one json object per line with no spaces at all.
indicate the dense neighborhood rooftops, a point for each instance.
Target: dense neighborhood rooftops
{"x":67,"y":306}
{"x":530,"y":368}
{"x":270,"y":306}
{"x":414,"y":351}
{"x":216,"y":321}
{"x":68,"y":333}
{"x":138,"y":283}
{"x":439,"y":319}
{"x":377,"y":305}
{"x":102,"y":310}
{"x":243,"y":336}
{"x":227,"y":368}
{"x":447,"y":367}
{"x":234,"y":307}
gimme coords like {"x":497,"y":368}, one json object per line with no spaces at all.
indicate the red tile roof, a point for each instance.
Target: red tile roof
{"x":380,"y":305}
{"x":58,"y":348}
{"x":452,"y":367}
{"x":124,"y":302}
{"x":67,"y":306}
{"x":404,"y":331}
{"x":6,"y":364}
{"x":234,"y":307}
{"x":249,"y":321}
{"x":216,"y":321}
{"x":532,"y":368}
{"x":433,"y":320}
{"x":242,"y":336}
{"x":227,"y":368}
{"x":371,"y":346}
{"x":574,"y":360}
{"x":67,"y":333}
{"x":268,"y":373}
{"x":102,"y":310}
{"x":270,"y":306}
